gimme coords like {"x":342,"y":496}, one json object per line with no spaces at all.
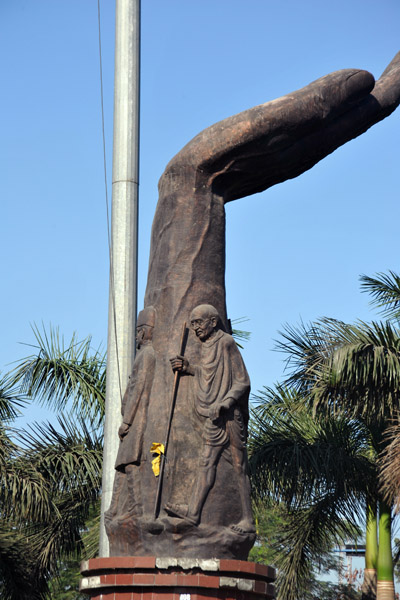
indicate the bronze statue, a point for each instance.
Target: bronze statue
{"x":134,"y":417}
{"x":221,"y":396}
{"x":239,"y":156}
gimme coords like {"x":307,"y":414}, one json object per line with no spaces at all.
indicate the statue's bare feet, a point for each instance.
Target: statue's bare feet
{"x":181,"y":511}
{"x":244,"y":526}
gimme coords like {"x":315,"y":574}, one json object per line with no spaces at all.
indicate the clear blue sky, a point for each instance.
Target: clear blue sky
{"x":295,"y":251}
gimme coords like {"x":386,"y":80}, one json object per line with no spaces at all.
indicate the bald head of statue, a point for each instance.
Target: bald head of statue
{"x":205,"y":321}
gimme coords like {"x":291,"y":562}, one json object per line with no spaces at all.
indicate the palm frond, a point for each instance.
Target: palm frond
{"x":19,"y":577}
{"x":69,"y":459}
{"x":295,"y":456}
{"x":385,"y":291}
{"x":240,"y":334}
{"x":50,"y":484}
{"x":59,"y":373}
{"x":307,"y":347}
{"x":46,"y":464}
{"x":11,"y":400}
{"x":351,"y":368}
{"x":362,"y":374}
{"x":91,"y":534}
{"x":62,"y":534}
{"x":24,"y":492}
{"x":310,"y":533}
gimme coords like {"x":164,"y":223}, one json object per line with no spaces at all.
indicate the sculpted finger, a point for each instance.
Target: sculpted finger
{"x":387,"y":89}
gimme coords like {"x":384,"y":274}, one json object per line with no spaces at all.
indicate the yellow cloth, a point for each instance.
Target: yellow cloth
{"x":156,"y":448}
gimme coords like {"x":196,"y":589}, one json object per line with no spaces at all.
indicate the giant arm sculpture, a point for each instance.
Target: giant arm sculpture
{"x":245,"y":154}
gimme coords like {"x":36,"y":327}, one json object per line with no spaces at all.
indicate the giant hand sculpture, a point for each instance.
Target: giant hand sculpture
{"x":239,"y":156}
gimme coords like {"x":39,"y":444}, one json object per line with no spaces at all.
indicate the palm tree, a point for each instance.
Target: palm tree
{"x":353,"y":370}
{"x":51,"y":477}
{"x":20,"y":484}
{"x":385,"y":291}
{"x":320,"y":468}
{"x":21,"y":491}
{"x":69,"y":459}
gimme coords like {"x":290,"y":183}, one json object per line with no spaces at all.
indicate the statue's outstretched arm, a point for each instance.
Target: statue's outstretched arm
{"x":272,"y":142}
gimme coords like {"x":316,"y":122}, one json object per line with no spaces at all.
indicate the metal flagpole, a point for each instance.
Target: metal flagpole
{"x":123,"y":251}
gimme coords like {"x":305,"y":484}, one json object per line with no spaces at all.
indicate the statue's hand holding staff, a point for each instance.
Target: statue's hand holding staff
{"x":181,"y":364}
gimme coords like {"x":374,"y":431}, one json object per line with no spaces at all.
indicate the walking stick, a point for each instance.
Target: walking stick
{"x":171,"y":413}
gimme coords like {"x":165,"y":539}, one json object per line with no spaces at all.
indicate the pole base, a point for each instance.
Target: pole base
{"x":151,"y":578}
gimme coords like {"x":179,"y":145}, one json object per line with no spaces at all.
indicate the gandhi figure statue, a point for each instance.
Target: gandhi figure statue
{"x":221,"y":395}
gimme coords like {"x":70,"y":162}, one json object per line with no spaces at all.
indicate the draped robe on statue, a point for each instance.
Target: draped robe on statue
{"x":221,"y":375}
{"x":134,"y":408}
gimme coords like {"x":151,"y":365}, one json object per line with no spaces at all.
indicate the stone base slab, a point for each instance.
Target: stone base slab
{"x":151,"y":578}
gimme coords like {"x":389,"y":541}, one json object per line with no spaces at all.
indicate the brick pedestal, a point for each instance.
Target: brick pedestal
{"x":150,"y":578}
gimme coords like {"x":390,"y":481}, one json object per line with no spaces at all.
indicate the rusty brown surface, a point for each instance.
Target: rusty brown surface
{"x":239,"y":156}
